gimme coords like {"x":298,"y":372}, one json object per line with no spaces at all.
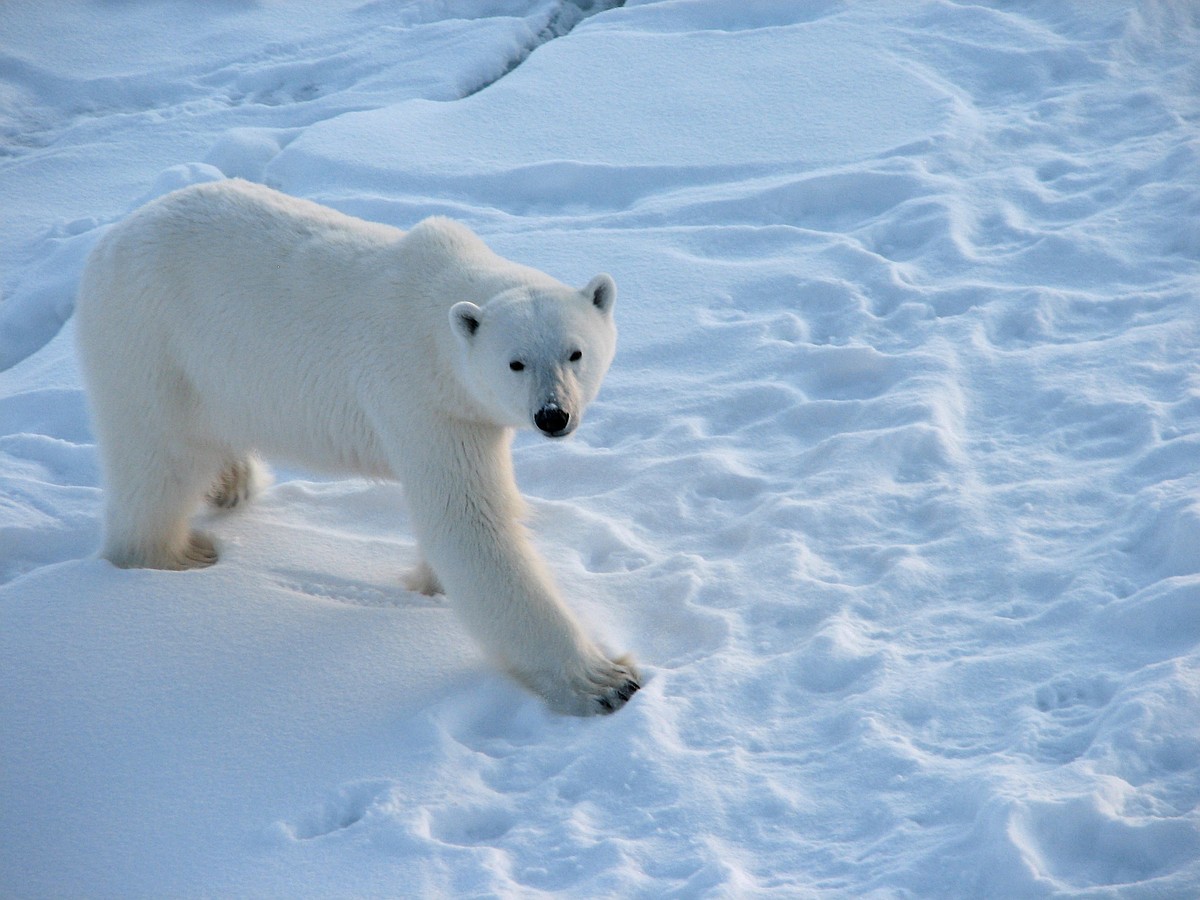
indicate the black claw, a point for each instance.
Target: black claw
{"x":624,"y":692}
{"x":628,"y":689}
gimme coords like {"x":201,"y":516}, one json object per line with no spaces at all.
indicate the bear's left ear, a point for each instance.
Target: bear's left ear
{"x":465,"y":317}
{"x":603,"y":293}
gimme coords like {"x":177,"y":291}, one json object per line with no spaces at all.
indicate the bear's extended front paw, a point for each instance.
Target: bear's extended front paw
{"x":614,"y":694}
{"x":597,"y":687}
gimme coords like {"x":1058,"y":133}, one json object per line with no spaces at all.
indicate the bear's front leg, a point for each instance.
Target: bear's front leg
{"x":508,"y":602}
{"x":465,"y":509}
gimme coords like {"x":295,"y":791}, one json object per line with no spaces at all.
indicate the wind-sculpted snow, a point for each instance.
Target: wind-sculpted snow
{"x":892,"y":488}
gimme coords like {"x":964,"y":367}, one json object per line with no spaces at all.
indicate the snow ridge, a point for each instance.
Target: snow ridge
{"x":569,"y":14}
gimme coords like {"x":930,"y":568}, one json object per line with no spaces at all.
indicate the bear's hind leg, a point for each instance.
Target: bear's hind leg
{"x":171,"y":545}
{"x":239,"y":482}
{"x":149,"y":499}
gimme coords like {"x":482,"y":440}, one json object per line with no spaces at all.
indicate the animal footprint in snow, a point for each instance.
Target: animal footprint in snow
{"x":468,"y":827}
{"x":322,"y":586}
{"x":352,"y":803}
{"x":1064,"y":693}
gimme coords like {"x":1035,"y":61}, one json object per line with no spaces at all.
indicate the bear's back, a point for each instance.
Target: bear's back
{"x":241,"y":214}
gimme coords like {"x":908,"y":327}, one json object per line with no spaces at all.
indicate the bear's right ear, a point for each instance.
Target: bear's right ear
{"x":465,"y":317}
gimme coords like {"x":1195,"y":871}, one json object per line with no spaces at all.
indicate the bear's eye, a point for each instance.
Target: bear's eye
{"x":576,"y":356}
{"x":516,"y":365}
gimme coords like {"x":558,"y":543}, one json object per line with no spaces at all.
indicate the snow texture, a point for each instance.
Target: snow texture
{"x":893,"y":489}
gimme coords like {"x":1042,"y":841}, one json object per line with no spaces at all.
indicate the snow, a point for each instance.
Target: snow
{"x":892,"y":489}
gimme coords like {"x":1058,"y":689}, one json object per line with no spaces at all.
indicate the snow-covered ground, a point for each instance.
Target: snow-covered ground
{"x":893,"y":489}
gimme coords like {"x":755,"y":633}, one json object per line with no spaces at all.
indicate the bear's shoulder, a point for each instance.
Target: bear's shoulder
{"x":439,"y":236}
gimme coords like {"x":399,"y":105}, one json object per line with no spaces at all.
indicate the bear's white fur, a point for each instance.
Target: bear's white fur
{"x":227,"y":320}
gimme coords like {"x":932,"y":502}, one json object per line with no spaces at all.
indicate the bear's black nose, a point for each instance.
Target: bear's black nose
{"x":552,"y":420}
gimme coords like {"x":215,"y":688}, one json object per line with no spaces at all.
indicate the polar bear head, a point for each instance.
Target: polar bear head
{"x":535,"y":356}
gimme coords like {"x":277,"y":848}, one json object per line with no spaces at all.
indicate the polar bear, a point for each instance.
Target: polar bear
{"x":226,"y":321}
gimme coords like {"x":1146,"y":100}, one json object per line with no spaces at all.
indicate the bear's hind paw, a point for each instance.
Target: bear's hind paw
{"x":239,"y":482}
{"x":200,"y":552}
{"x":423,"y":580}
